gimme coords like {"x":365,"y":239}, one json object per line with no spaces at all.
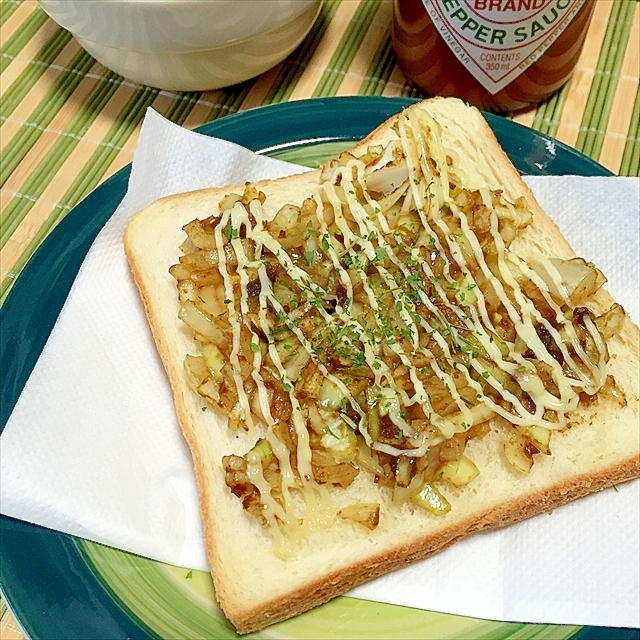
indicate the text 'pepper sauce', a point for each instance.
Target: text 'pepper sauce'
{"x":499,"y":55}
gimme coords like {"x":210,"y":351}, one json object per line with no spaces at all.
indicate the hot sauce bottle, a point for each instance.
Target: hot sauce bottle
{"x":500,"y":55}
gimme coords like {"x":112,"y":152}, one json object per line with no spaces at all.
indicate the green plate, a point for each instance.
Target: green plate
{"x":60,"y":586}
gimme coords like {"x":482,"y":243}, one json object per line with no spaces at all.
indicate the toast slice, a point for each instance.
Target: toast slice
{"x":262,"y":575}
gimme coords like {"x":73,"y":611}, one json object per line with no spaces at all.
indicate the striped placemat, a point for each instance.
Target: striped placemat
{"x":67,"y":123}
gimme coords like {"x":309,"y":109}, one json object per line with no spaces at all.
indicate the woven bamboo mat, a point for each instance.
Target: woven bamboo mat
{"x":67,"y":123}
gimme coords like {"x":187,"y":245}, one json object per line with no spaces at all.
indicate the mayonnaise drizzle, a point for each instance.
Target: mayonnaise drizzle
{"x":371,"y":248}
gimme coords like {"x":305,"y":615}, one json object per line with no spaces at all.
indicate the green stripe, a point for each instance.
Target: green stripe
{"x":549,"y":113}
{"x":44,"y":113}
{"x":6,"y":10}
{"x":543,"y":115}
{"x":630,"y":164}
{"x":55,"y":157}
{"x":290,"y":72}
{"x":622,"y":31}
{"x":230,"y":101}
{"x":601,"y":94}
{"x":182,"y":106}
{"x":380,"y":69}
{"x":29,"y":76}
{"x":22,"y":35}
{"x":125,"y":123}
{"x":347,"y":49}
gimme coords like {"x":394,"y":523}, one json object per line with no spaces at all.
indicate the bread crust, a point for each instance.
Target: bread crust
{"x":610,"y":421}
{"x":339,"y":582}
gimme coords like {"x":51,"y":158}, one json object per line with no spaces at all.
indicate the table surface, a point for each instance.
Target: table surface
{"x":67,"y":123}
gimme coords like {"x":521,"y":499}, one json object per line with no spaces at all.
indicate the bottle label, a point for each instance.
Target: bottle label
{"x":497,"y":40}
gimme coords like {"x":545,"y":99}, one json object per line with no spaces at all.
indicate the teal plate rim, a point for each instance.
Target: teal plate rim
{"x":44,"y":577}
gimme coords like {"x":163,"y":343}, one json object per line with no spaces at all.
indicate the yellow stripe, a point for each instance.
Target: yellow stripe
{"x":322,"y":56}
{"x":396,"y":84}
{"x":526,"y":118}
{"x":362,"y":60}
{"x":25,"y":231}
{"x":121,"y":160}
{"x":8,"y":129}
{"x":9,"y":629}
{"x":260,"y":89}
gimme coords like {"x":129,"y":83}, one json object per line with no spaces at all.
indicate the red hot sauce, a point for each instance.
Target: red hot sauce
{"x":500,"y":55}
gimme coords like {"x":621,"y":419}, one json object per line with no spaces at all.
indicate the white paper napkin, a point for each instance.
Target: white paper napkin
{"x":93,"y":447}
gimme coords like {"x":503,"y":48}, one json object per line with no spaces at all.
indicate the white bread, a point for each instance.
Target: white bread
{"x":253,"y":586}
